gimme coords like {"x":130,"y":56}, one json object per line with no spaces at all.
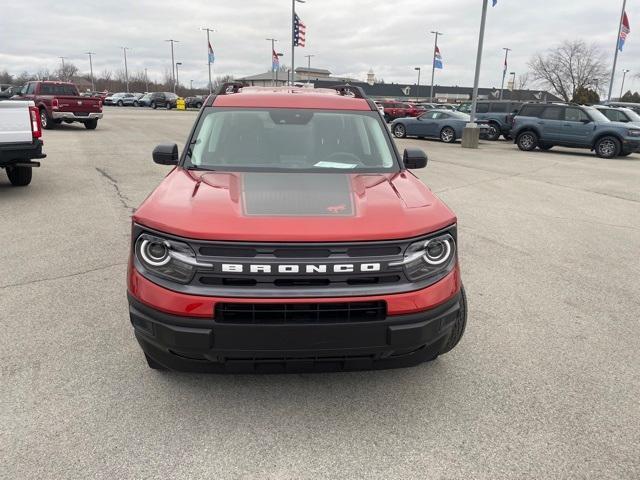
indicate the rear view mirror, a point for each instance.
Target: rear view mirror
{"x":414,"y":158}
{"x":166,"y":154}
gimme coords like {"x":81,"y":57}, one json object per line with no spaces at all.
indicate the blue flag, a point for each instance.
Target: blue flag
{"x":437,"y":59}
{"x":495,"y":2}
{"x":212,"y":57}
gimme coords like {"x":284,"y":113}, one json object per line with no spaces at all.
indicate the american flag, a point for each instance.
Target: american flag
{"x":299,"y":32}
{"x":624,"y":31}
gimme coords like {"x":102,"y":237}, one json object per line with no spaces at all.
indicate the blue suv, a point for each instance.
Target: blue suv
{"x":547,"y":125}
{"x":498,"y":114}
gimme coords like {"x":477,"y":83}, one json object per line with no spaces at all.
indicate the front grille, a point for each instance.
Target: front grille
{"x":300,"y":313}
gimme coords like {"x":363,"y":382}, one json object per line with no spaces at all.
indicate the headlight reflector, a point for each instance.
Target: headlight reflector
{"x":429,"y":258}
{"x":166,"y":258}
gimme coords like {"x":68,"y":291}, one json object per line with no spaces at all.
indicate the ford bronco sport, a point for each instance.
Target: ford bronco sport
{"x":291,"y":235}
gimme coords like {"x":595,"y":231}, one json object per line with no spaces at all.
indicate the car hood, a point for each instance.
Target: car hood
{"x":305,"y":207}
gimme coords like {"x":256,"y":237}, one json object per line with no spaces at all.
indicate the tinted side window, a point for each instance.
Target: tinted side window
{"x":552,"y":113}
{"x":482,"y":108}
{"x":30,"y":89}
{"x":575,"y":115}
{"x":532,"y":110}
{"x":499,"y":107}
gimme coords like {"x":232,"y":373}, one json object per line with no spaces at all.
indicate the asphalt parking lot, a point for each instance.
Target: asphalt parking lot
{"x":545,"y":383}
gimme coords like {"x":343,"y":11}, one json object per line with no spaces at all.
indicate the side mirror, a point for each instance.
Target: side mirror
{"x":166,"y":154}
{"x":414,"y":158}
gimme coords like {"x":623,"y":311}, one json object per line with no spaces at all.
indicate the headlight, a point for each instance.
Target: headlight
{"x":166,"y":258}
{"x":429,"y":258}
{"x":634,"y":133}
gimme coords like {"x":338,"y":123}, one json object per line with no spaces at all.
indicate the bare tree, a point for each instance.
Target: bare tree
{"x":66,"y":72}
{"x":570,"y":66}
{"x":523,"y":81}
{"x":6,"y":77}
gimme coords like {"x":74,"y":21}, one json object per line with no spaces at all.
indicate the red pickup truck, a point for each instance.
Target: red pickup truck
{"x":60,"y":102}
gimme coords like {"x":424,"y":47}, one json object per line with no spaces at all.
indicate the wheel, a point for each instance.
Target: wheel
{"x":167,"y":105}
{"x":91,"y":124}
{"x":153,"y":364}
{"x":120,"y":103}
{"x":448,"y":135}
{"x":527,"y":141}
{"x":135,"y":103}
{"x":399,"y":130}
{"x":19,"y":176}
{"x":545,"y":147}
{"x":608,"y":147}
{"x":153,"y":105}
{"x":387,"y":118}
{"x":458,"y":327}
{"x":45,"y":121}
{"x":494,"y":132}
{"x":198,"y":105}
{"x":625,"y":154}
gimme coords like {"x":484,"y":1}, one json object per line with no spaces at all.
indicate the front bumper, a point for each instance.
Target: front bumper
{"x":74,"y":117}
{"x":631,"y":145}
{"x":187,"y":344}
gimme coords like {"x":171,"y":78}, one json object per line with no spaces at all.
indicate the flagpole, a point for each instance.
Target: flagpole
{"x":615,"y":57}
{"x":273,"y":49}
{"x":208,"y":56}
{"x":504,"y":71}
{"x":433,"y":64}
{"x":293,"y":41}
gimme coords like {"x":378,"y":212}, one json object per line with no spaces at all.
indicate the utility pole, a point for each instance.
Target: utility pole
{"x":63,"y":74}
{"x":126,"y":71}
{"x":504,"y":71}
{"x":418,"y":87}
{"x":273,"y":49}
{"x":624,"y":74}
{"x":146,"y":80}
{"x":615,"y":57}
{"x":93,"y":86}
{"x":191,"y":85}
{"x":433,"y":65}
{"x":309,"y":57}
{"x":208,"y":30}
{"x":177,"y":78}
{"x":173,"y":63}
{"x":278,"y":69}
{"x":293,"y":39}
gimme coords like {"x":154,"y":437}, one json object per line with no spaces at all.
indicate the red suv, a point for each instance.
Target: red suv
{"x":393,"y":110}
{"x":291,"y":235}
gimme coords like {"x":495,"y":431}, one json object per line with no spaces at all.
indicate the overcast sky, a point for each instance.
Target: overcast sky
{"x":348,"y":36}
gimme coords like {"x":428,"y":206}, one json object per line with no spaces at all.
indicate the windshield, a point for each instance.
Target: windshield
{"x":459,"y":115}
{"x":596,"y":115}
{"x":288,"y":139}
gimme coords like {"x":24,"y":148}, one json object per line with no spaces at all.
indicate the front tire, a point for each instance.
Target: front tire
{"x":459,"y":325}
{"x":153,"y":105}
{"x":136,"y":104}
{"x":448,"y":135}
{"x":527,"y":141}
{"x":120,"y":103}
{"x":399,"y":131}
{"x":19,"y":176}
{"x":91,"y":124}
{"x":167,"y":106}
{"x":198,"y":105}
{"x":608,"y":147}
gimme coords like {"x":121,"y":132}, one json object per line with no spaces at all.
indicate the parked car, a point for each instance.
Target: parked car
{"x":621,"y":114}
{"x":547,"y":125}
{"x":9,"y":91}
{"x":292,"y":235}
{"x":633,"y":106}
{"x":159,"y":100}
{"x":132,"y":100}
{"x":498,"y":114}
{"x":20,"y":140}
{"x":60,"y":102}
{"x":438,"y":123}
{"x":195,"y":101}
{"x":393,"y":110}
{"x":120,"y":99}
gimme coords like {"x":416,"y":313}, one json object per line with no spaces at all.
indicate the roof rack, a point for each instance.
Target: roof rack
{"x":230,"y":87}
{"x":349,"y":90}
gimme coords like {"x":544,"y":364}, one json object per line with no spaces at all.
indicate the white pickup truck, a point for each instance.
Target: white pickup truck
{"x":20,"y":140}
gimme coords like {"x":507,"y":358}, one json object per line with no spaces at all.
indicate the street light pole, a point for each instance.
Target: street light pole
{"x":208,"y":58}
{"x":309,"y":57}
{"x":433,"y":64}
{"x":273,"y":49}
{"x":146,"y":80}
{"x":476,"y":78}
{"x":418,"y":87}
{"x":173,"y":63}
{"x":93,"y":87}
{"x":624,"y":74}
{"x":293,"y":39}
{"x":126,"y":71}
{"x":278,"y":69}
{"x":504,"y":71}
{"x":513,"y":80}
{"x":62,"y":72}
{"x":615,"y":57}
{"x":177,"y":78}
{"x":191,"y":85}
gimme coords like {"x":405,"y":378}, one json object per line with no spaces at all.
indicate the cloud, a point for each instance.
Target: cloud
{"x":347,"y":37}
